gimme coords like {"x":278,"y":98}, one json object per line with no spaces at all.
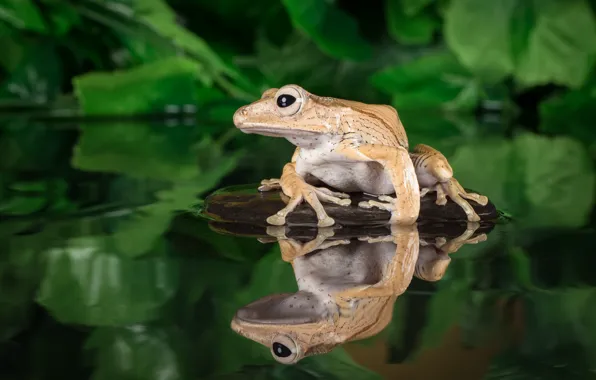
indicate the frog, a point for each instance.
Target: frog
{"x":347,"y":289}
{"x":345,"y":146}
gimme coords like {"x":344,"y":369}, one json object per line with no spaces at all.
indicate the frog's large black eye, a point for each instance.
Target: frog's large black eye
{"x":280,"y":350}
{"x":289,"y":100}
{"x":285,"y":100}
{"x":284,"y":349}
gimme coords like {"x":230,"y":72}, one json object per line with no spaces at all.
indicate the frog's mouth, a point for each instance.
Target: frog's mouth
{"x":287,"y":309}
{"x":264,"y":130}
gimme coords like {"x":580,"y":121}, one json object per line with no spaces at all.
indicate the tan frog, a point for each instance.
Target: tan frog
{"x":346,"y":289}
{"x":350,"y":147}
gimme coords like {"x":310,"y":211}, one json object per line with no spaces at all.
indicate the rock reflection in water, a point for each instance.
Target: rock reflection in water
{"x":348,"y":284}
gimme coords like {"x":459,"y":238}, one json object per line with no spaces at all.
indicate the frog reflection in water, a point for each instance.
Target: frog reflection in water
{"x":352,"y":147}
{"x":347,"y":288}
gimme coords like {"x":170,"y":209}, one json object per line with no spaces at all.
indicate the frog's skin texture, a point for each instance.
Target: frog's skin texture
{"x":350,"y":147}
{"x":346,"y":289}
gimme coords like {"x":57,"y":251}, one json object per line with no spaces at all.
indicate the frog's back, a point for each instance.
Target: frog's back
{"x":376,"y":116}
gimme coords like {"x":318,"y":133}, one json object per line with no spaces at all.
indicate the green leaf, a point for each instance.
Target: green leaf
{"x":334,"y":31}
{"x":22,"y":14}
{"x":150,"y":88}
{"x":409,"y":29}
{"x":561,"y":46}
{"x":159,"y":17}
{"x":86,"y":283}
{"x":542,"y":181}
{"x":137,"y":352}
{"x":434,"y":80}
{"x":478,"y":32}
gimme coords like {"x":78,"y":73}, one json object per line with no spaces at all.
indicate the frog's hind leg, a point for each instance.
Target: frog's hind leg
{"x":435,"y":173}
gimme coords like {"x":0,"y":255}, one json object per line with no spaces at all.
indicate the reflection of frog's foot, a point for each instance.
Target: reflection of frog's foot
{"x":454,"y":245}
{"x":313,"y":196}
{"x":270,"y":184}
{"x":386,"y":203}
{"x":278,"y":232}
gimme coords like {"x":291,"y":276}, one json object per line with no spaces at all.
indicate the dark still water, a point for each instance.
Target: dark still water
{"x":109,"y":268}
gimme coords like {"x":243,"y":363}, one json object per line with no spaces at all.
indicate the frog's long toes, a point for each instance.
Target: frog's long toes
{"x":365,"y":204}
{"x":442,"y":201}
{"x":482,"y":200}
{"x":326,"y":222}
{"x":386,"y":198}
{"x":344,"y":202}
{"x":276,"y":220}
{"x":473,"y":217}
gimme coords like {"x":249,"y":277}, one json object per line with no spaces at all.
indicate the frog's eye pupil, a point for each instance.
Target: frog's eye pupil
{"x":285,"y":100}
{"x":281,"y":351}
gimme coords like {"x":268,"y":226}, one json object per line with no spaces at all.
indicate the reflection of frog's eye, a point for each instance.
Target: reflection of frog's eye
{"x":288,"y":101}
{"x":284,"y":349}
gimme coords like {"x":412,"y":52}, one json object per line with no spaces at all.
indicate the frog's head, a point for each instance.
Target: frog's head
{"x":291,"y":325}
{"x":289,"y":111}
{"x":296,"y":325}
{"x":432,"y":264}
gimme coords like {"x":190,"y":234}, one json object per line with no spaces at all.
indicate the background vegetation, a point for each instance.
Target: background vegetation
{"x":97,"y":251}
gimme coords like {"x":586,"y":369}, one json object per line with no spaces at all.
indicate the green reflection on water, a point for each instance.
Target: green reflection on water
{"x":103,"y":274}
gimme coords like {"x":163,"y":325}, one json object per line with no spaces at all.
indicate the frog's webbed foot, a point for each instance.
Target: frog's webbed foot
{"x":270,"y":184}
{"x":456,"y":192}
{"x":385,"y":202}
{"x":435,"y":174}
{"x":313,"y":195}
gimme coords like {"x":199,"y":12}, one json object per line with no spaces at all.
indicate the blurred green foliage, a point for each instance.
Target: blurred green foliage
{"x":98,"y":252}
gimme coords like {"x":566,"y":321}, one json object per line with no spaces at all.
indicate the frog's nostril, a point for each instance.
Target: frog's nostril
{"x":239,"y":115}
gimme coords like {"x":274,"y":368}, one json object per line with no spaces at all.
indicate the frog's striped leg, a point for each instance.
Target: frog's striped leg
{"x":435,"y":173}
{"x":396,"y":161}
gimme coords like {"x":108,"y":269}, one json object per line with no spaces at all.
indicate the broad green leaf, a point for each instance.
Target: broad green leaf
{"x":85,"y":283}
{"x":334,"y":31}
{"x":409,"y":29}
{"x":561,"y":46}
{"x":478,"y":32}
{"x":434,"y":80}
{"x":150,"y":88}
{"x":137,"y":352}
{"x":159,"y":17}
{"x":22,"y":14}
{"x":542,"y":181}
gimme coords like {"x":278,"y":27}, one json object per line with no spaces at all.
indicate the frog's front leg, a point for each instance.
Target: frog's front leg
{"x":296,"y":188}
{"x":435,"y":173}
{"x":396,"y":162}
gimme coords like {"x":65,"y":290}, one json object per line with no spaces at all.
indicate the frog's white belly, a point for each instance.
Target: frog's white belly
{"x":341,"y":173}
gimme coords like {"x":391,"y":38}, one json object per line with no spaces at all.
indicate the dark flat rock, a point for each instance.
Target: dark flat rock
{"x":428,"y":230}
{"x":245,"y":204}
